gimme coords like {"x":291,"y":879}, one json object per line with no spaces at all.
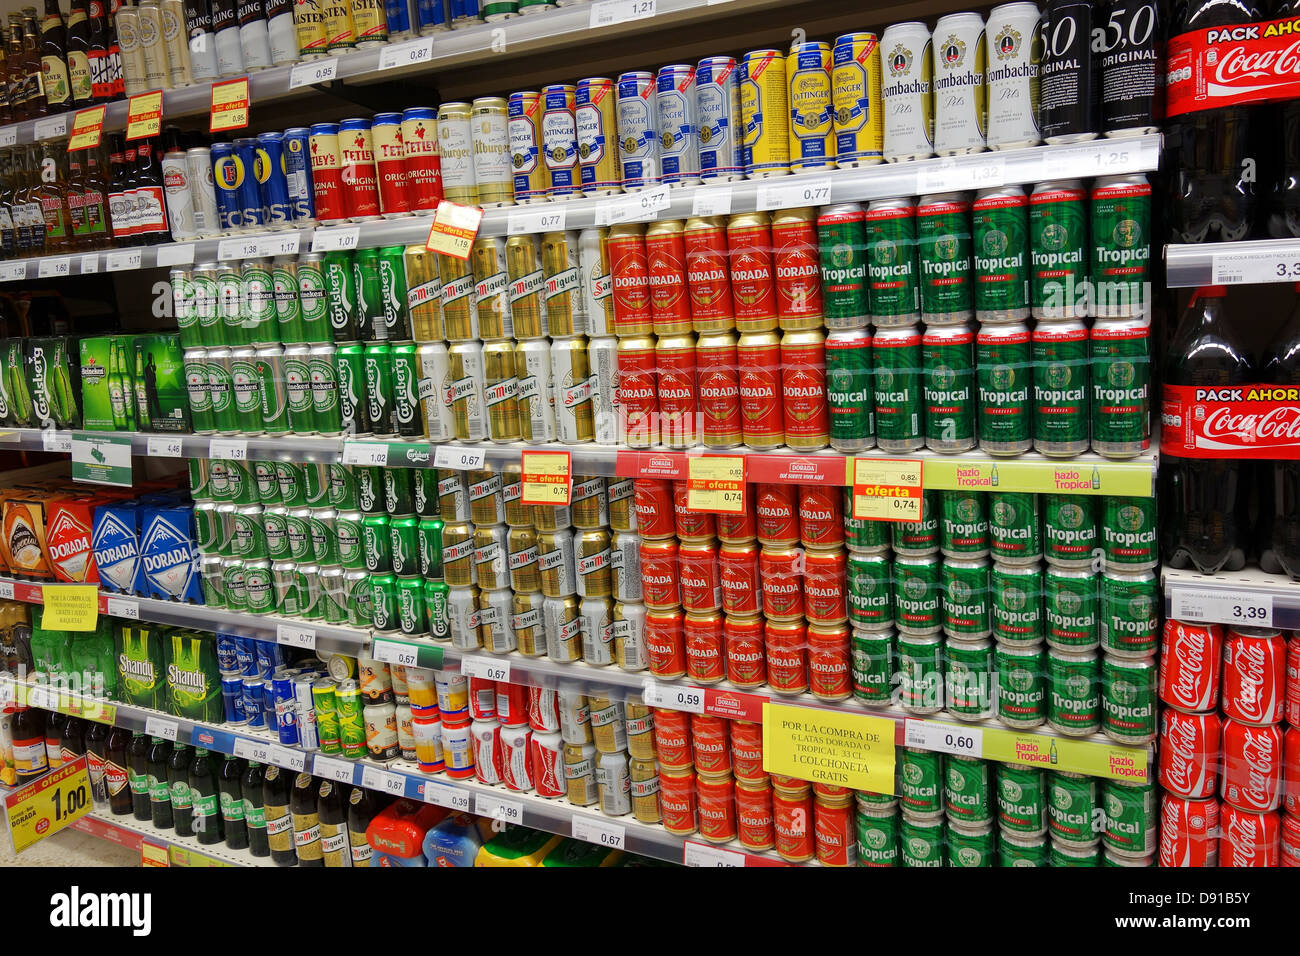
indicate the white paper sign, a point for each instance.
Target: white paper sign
{"x":313,"y":71}
{"x":123,"y":607}
{"x":372,"y":778}
{"x":294,"y":635}
{"x":700,"y":854}
{"x":600,"y":832}
{"x":178,"y":254}
{"x":713,"y":201}
{"x":161,"y":727}
{"x":163,"y":446}
{"x":545,"y":218}
{"x":499,"y":808}
{"x":608,"y":12}
{"x":967,"y":741}
{"x":365,"y":453}
{"x":461,"y":459}
{"x":119,"y":261}
{"x":410,"y":53}
{"x":439,"y":794}
{"x":332,"y":240}
{"x":689,"y":699}
{"x":51,"y":127}
{"x":232,"y":449}
{"x":331,"y":769}
{"x":54,"y":268}
{"x":89,"y":264}
{"x":775,"y":194}
{"x":395,"y":652}
{"x":280,"y":244}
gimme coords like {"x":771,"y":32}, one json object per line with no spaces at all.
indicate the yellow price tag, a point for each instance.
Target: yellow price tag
{"x":144,"y":115}
{"x":547,"y":478}
{"x":1129,"y":479}
{"x":230,"y":104}
{"x":887,"y":489}
{"x":154,"y":854}
{"x":454,"y":228}
{"x":70,"y":607}
{"x":87,"y":127}
{"x":45,"y":807}
{"x":715,"y":483}
{"x":1060,"y":753}
{"x":829,"y":746}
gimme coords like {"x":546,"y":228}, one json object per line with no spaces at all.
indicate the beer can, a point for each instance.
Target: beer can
{"x":637,"y":391}
{"x":433,"y":371}
{"x":1013,"y":48}
{"x":453,"y":495}
{"x":565,"y":306}
{"x":907,"y":93}
{"x":602,"y":362}
{"x":491,"y":288}
{"x":803,"y":386}
{"x":465,"y":394}
{"x":456,"y":152}
{"x":422,"y":158}
{"x":1070,"y":88}
{"x":960,"y":96}
{"x":496,"y":621}
{"x":559,"y":141}
{"x":666,"y":263}
{"x":527,"y":287}
{"x":530,"y":178}
{"x":638,"y":133}
{"x":501,"y":391}
{"x":1058,"y":243}
{"x":230,"y":306}
{"x":812,"y":113}
{"x":943,"y":233}
{"x":592,"y":559}
{"x":423,"y":293}
{"x":764,"y":113}
{"x":464,"y":621}
{"x":491,"y":556}
{"x":717,"y":110}
{"x":563,"y":624}
{"x":1004,"y":375}
{"x":595,"y":112}
{"x":855,"y":98}
{"x":597,"y":285}
{"x":526,"y":620}
{"x":630,"y":279}
{"x":490,"y":139}
{"x":458,"y":554}
{"x":535,"y":391}
{"x":358,"y":174}
{"x":486,"y":501}
{"x":273,"y":184}
{"x":677,"y":124}
{"x":297,"y":168}
{"x":1121,"y":384}
{"x":571,"y":379}
{"x":758,"y":356}
{"x":556,"y":563}
{"x":678,"y":390}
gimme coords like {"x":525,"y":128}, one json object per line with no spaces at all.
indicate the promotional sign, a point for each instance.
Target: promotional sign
{"x":45,"y":807}
{"x":1219,"y":66}
{"x":1237,"y":421}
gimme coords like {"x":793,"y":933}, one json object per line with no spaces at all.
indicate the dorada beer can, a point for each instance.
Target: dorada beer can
{"x":907,"y":95}
{"x":960,"y":101}
{"x":1013,"y":48}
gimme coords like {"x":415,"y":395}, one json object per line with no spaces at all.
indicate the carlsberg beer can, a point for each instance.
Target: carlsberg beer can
{"x":1013,"y":47}
{"x":960,"y":104}
{"x":907,"y":95}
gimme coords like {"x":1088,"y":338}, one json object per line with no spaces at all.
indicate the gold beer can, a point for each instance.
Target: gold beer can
{"x":486,"y":502}
{"x":595,"y":110}
{"x":527,"y":287}
{"x":566,"y":310}
{"x":501,"y":391}
{"x":370,"y":21}
{"x":530,"y":631}
{"x":459,"y":315}
{"x":453,"y":495}
{"x":458,"y":554}
{"x":465,"y":390}
{"x":580,"y":785}
{"x":602,"y":361}
{"x":340,"y":31}
{"x":522,"y":548}
{"x":640,"y":722}
{"x":622,"y":505}
{"x":456,"y":152}
{"x":490,"y":556}
{"x":643,"y":788}
{"x":518,"y":514}
{"x":597,"y":282}
{"x":424,"y":293}
{"x":588,"y":504}
{"x":309,"y":25}
{"x":463,"y":618}
{"x":591,"y":551}
{"x":607,"y":730}
{"x":571,"y":378}
{"x":552,"y":517}
{"x":563,"y":628}
{"x":490,"y":136}
{"x":765,"y":114}
{"x":491,"y":288}
{"x":536,"y":394}
{"x":555,"y":565}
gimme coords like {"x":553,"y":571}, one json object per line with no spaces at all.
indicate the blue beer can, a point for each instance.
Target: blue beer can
{"x":398,"y":13}
{"x":270,"y":658}
{"x":638,"y":130}
{"x":464,"y":11}
{"x":717,"y":111}
{"x":246,"y":655}
{"x":272,"y":183}
{"x":678,"y":131}
{"x":254,"y":715}
{"x":297,"y":173}
{"x":232,"y":699}
{"x":286,"y":712}
{"x":228,"y":176}
{"x":250,"y":196}
{"x":227,"y":654}
{"x":432,"y":15}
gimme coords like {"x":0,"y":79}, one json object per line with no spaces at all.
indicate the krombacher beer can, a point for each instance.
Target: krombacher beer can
{"x":501,"y":391}
{"x":491,"y":288}
{"x":521,"y":547}
{"x":566,"y":307}
{"x":433,"y":370}
{"x":465,"y":391}
{"x":597,"y":282}
{"x":463,"y":618}
{"x":571,"y":378}
{"x":527,"y":287}
{"x":490,"y":557}
{"x":555,"y":563}
{"x":453,"y":495}
{"x":536,"y":396}
{"x":486,"y":502}
{"x":592,"y":555}
{"x":458,"y":554}
{"x":526,"y":618}
{"x":423,"y":293}
{"x":518,"y":514}
{"x":459,"y":313}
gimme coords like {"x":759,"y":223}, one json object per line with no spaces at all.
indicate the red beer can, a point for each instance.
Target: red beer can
{"x":512,"y":704}
{"x":746,"y":659}
{"x":747,"y":750}
{"x":1189,"y":752}
{"x":719,"y":390}
{"x":677,"y":801}
{"x":834,"y":831}
{"x":792,"y":815}
{"x":785,"y":644}
{"x":825,"y":598}
{"x":659,"y":583}
{"x":1252,"y":766}
{"x":1290,"y":842}
{"x":1249,"y":838}
{"x":1254,"y":676}
{"x":390,"y":165}
{"x":360,"y":180}
{"x":738,"y":578}
{"x":665,"y":644}
{"x":708,"y":277}
{"x":544,"y":710}
{"x":762,"y":414}
{"x":782,"y":572}
{"x":754,"y":827}
{"x":630,"y":275}
{"x":673,"y":739}
{"x":665,"y":254}
{"x":485,"y":741}
{"x":637,"y":388}
{"x":1189,"y":831}
{"x":679,"y":398}
{"x":829,"y":675}
{"x":1291,"y":771}
{"x":739,"y":527}
{"x":482,"y":699}
{"x":709,"y":743}
{"x":547,"y":752}
{"x":1190,"y":655}
{"x":688,"y":523}
{"x":1293,"y":681}
{"x":777,"y":521}
{"x":803,"y":390}
{"x":697,"y":570}
{"x":753,"y":291}
{"x":705,"y":656}
{"x":821,"y":516}
{"x":797,"y":262}
{"x":716,"y":794}
{"x":423,"y":162}
{"x":326,"y":175}
{"x":517,"y":758}
{"x":653,"y":500}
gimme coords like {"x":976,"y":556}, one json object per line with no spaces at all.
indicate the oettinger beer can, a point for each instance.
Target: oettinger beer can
{"x":677,"y":124}
{"x":560,"y":140}
{"x":638,"y":133}
{"x":528,"y":168}
{"x":717,"y":110}
{"x":855,"y":100}
{"x":764,"y":114}
{"x":812,"y":133}
{"x":599,"y":161}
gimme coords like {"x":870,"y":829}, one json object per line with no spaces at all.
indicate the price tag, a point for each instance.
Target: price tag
{"x":715,"y":483}
{"x":281,"y":244}
{"x":7,"y":590}
{"x":52,"y":268}
{"x":395,"y":652}
{"x":1222,"y":607}
{"x":57,"y":442}
{"x":87,"y":127}
{"x":122,"y":607}
{"x":241,"y":247}
{"x":365,"y":453}
{"x":144,"y":115}
{"x":51,"y":127}
{"x":8,"y":136}
{"x":332,"y":240}
{"x":372,"y":778}
{"x":950,"y":175}
{"x":486,"y":669}
{"x":460,"y":459}
{"x":454,"y":228}
{"x":314,"y":71}
{"x":1241,"y":268}
{"x":887,"y":489}
{"x":47,"y":805}
{"x":634,"y":207}
{"x":89,"y":264}
{"x":250,"y":749}
{"x":176,"y":254}
{"x":441,"y":795}
{"x":701,"y":854}
{"x":411,"y":53}
{"x":547,"y":477}
{"x":968,"y":741}
{"x":163,"y":447}
{"x":774,"y":194}
{"x":499,"y":808}
{"x":230,"y":103}
{"x":13,"y":271}
{"x":233,"y":449}
{"x":608,"y":12}
{"x":715,"y":201}
{"x":545,"y":219}
{"x":295,"y":760}
{"x":6,"y":692}
{"x":120,"y":261}
{"x":294,"y":635}
{"x":161,"y":727}
{"x":689,"y":699}
{"x":331,"y":769}
{"x":600,"y":832}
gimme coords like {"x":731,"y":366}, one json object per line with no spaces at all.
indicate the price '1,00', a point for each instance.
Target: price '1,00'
{"x":76,"y":800}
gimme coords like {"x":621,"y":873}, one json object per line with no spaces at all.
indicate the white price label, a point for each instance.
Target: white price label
{"x":952,"y":175}
{"x":53,"y":268}
{"x":163,"y":447}
{"x":89,"y":264}
{"x":294,"y":635}
{"x":42,"y":697}
{"x":1242,"y":268}
{"x":485,"y":668}
{"x":232,"y":449}
{"x":365,"y":453}
{"x":281,"y":244}
{"x":634,"y":207}
{"x":606,"y":13}
{"x":313,"y":71}
{"x":6,"y":692}
{"x":7,"y":590}
{"x":331,"y":769}
{"x":8,"y":136}
{"x":251,"y":749}
{"x":161,"y":727}
{"x":123,"y":607}
{"x":176,"y":254}
{"x":120,"y":261}
{"x":410,"y":53}
{"x":600,"y":832}
{"x":241,"y":247}
{"x":499,"y":808}
{"x":461,"y":459}
{"x":51,"y":127}
{"x":545,"y":219}
{"x":13,"y":271}
{"x":1101,"y":156}
{"x":294,"y":760}
{"x":712,"y":202}
{"x":60,"y":442}
{"x":701,"y":854}
{"x":1221,"y":607}
{"x":774,"y":194}
{"x":945,"y":738}
{"x":395,"y":652}
{"x":441,"y":795}
{"x":689,"y":699}
{"x":372,"y":778}
{"x":332,"y":240}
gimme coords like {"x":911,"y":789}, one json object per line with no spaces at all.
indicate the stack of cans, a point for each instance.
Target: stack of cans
{"x":260,"y":689}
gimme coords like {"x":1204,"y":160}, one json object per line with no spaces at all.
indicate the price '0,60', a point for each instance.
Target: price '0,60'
{"x":959,"y":742}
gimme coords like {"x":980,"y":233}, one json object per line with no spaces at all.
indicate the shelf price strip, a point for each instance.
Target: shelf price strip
{"x":887,"y":489}
{"x":1220,"y":607}
{"x":715,"y":483}
{"x":547,"y":477}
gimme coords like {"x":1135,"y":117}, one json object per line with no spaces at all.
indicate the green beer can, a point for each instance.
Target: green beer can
{"x":313,"y":301}
{"x":1022,"y":800}
{"x":870,"y":590}
{"x":966,"y":598}
{"x":849,"y":394}
{"x":920,"y":673}
{"x":293,"y":491}
{"x":211,"y":332}
{"x":948,"y":361}
{"x":1130,"y":614}
{"x":873,"y":666}
{"x":919,"y":537}
{"x":257,"y":301}
{"x":1128,"y":534}
{"x":437,"y":602}
{"x":1128,"y":699}
{"x":971,"y":847}
{"x":861,"y":535}
{"x":426,"y":495}
{"x":342,"y":313}
{"x":354,"y":404}
{"x":324,"y":538}
{"x":969,"y":679}
{"x":1071,"y":605}
{"x":356,"y":585}
{"x":1069,"y":530}
{"x":403,"y":535}
{"x":249,"y":535}
{"x":232,"y":324}
{"x":1014,"y":534}
{"x":892,"y":291}
{"x":352,"y":725}
{"x":430,"y":548}
{"x":408,"y":422}
{"x":1061,"y":379}
{"x":221,"y":389}
{"x":207,"y":531}
{"x":1067,"y":854}
{"x":183,"y":308}
{"x":370,"y":310}
{"x":900,"y":407}
{"x":225,"y":528}
{"x":967,"y":791}
{"x":1120,"y":353}
{"x":199,"y":391}
{"x":370,"y":488}
{"x":297,"y":531}
{"x":376,"y":544}
{"x":275,"y":525}
{"x":399,"y":491}
{"x":259,"y":587}
{"x":219,"y":479}
{"x":327,"y":718}
{"x":877,"y":836}
{"x":920,"y":782}
{"x":1073,"y":808}
{"x":1016,"y":610}
{"x":1022,"y":686}
{"x":348,"y":534}
{"x":264,"y":481}
{"x":289,"y":323}
{"x":333,"y":597}
{"x":944,"y":254}
{"x":1000,"y":229}
{"x":341,"y":487}
{"x":310,"y":593}
{"x":324,"y":389}
{"x":1004,"y":373}
{"x":412,"y":615}
{"x":239,"y":484}
{"x":383,"y":601}
{"x":297,"y":389}
{"x":1058,"y":250}
{"x":1074,"y":692}
{"x":392,"y":294}
{"x":199,"y":477}
{"x":1018,"y":851}
{"x":917,"y":595}
{"x":234,"y":584}
{"x":377,"y":363}
{"x":963,"y":524}
{"x":1121,"y":245}
{"x":842,"y":245}
{"x":316,"y":483}
{"x":1131,"y":818}
{"x":922,"y":841}
{"x":246,"y":385}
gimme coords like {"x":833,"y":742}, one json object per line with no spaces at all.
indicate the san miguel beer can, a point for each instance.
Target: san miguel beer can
{"x":459,"y":311}
{"x":602,"y":363}
{"x":536,"y":396}
{"x":527,"y":284}
{"x":491,"y":288}
{"x":638,"y":132}
{"x":597,"y":282}
{"x":677,"y":124}
{"x":465,"y":394}
{"x":764,"y":114}
{"x":960,"y":97}
{"x":565,"y":305}
{"x":1013,"y":39}
{"x":907,"y":95}
{"x":456,"y":152}
{"x":717,"y":110}
{"x":812,"y":132}
{"x":433,"y":369}
{"x":491,"y":142}
{"x":600,"y":169}
{"x":501,"y":391}
{"x":423,"y":293}
{"x":855,"y":100}
{"x":531,"y":180}
{"x":486,"y":498}
{"x":571,"y":379}
{"x":559,"y":140}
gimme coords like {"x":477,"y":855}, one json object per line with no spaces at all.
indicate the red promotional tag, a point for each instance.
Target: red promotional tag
{"x":1239,"y":421}
{"x":1219,"y":66}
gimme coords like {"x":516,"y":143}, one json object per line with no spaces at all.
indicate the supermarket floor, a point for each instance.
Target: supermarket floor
{"x":69,"y":848}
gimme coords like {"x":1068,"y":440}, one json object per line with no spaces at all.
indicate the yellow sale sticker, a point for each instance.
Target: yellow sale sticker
{"x":1130,"y":479}
{"x":454,"y":228}
{"x":887,"y":489}
{"x":715,"y":483}
{"x":87,"y":127}
{"x":144,"y":115}
{"x":230,"y":104}
{"x":829,"y":746}
{"x":70,"y":607}
{"x":547,"y":477}
{"x":45,"y":807}
{"x":1060,"y":753}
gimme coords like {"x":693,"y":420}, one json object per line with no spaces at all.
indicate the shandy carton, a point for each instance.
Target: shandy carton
{"x":169,"y":558}
{"x":115,"y":541}
{"x":141,"y":665}
{"x":193,"y":677}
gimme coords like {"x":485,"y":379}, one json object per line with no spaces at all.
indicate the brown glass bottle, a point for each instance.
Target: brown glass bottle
{"x":150,"y":198}
{"x":32,"y":67}
{"x":15,"y":75}
{"x":54,"y":59}
{"x":75,"y":198}
{"x":115,"y":53}
{"x":31,"y":179}
{"x":8,"y":235}
{"x":115,"y":771}
{"x":120,"y":200}
{"x":52,"y":195}
{"x":101,"y":73}
{"x":94,"y":200}
{"x":6,"y":112}
{"x":79,"y":77}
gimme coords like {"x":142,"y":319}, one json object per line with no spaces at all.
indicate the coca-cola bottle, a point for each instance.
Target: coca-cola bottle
{"x":1212,"y":165}
{"x":1203,"y":523}
{"x":1279,"y":525}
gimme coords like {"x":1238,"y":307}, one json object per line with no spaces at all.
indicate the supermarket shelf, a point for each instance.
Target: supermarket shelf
{"x":181,"y":851}
{"x":1248,"y":598}
{"x":960,"y":173}
{"x":1232,"y":263}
